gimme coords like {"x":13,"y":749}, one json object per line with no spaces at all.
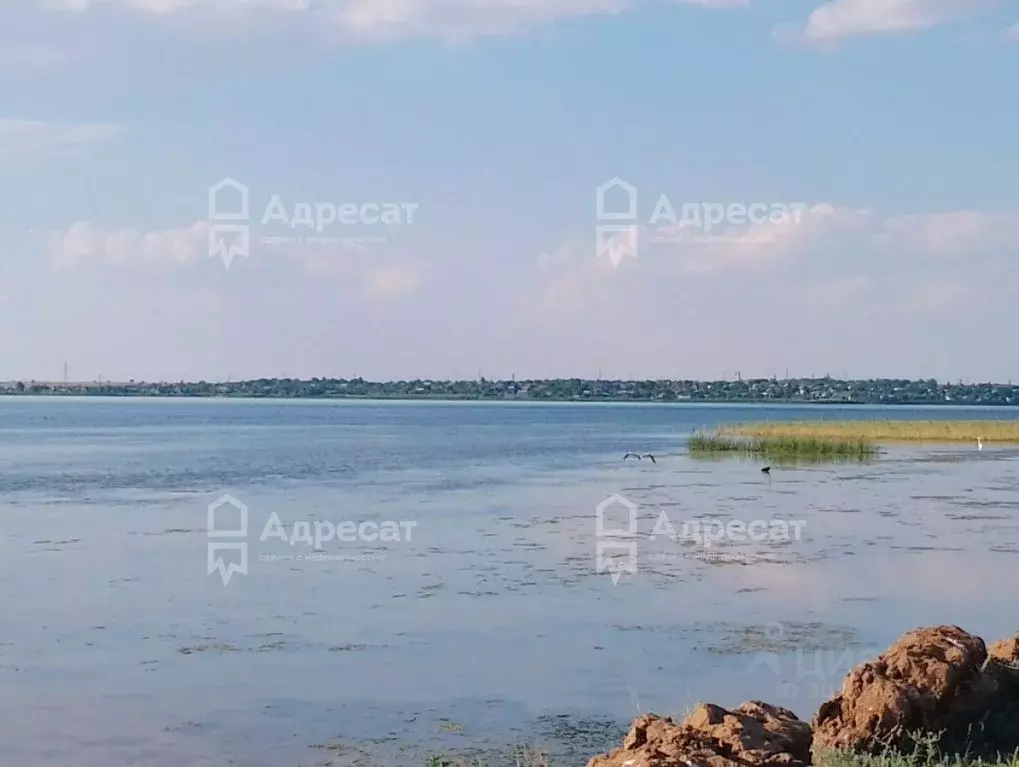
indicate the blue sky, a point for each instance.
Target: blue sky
{"x":893,"y":123}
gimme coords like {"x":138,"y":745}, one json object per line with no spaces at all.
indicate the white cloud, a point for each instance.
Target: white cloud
{"x":19,"y":137}
{"x":174,"y":6}
{"x":826,"y":239}
{"x":459,"y":18}
{"x":757,"y":245}
{"x":824,"y":227}
{"x":375,"y":19}
{"x":572,"y":281}
{"x":840,"y":19}
{"x":959,"y":234}
{"x":84,"y":244}
{"x":391,"y":281}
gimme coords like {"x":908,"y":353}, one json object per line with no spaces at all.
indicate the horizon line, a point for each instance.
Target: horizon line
{"x":513,"y":380}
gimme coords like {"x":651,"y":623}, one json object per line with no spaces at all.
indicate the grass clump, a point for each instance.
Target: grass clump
{"x":781,"y":448}
{"x":882,"y":431}
{"x":523,"y":756}
{"x":926,"y":752}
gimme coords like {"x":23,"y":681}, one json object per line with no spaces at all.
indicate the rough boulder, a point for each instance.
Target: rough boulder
{"x":933,"y":681}
{"x":754,"y":734}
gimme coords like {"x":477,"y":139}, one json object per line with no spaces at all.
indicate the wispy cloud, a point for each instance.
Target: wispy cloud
{"x":1012,"y":34}
{"x":768,"y":243}
{"x":379,"y":19}
{"x":879,"y":248}
{"x":841,"y":19}
{"x":391,"y":281}
{"x":84,"y":244}
{"x":338,"y":22}
{"x":958,"y":234}
{"x":19,"y":137}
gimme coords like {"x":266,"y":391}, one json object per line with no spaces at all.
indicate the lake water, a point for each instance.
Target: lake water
{"x":488,"y":626}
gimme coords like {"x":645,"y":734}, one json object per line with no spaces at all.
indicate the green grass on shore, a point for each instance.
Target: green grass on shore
{"x":844,"y":759}
{"x":925,"y":753}
{"x":780,"y":448}
{"x":831,"y":759}
{"x":888,"y":431}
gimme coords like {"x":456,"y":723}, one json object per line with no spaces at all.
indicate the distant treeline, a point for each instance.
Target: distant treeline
{"x":881,"y":391}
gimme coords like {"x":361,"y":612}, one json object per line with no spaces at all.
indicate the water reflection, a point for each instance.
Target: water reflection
{"x":493,"y":617}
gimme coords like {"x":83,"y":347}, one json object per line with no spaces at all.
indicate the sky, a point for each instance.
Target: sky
{"x":807,"y":187}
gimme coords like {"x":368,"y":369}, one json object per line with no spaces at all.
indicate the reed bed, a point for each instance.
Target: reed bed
{"x":880,"y":431}
{"x":781,"y":448}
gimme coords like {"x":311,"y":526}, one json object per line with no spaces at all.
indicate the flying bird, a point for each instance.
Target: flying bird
{"x":638,"y":456}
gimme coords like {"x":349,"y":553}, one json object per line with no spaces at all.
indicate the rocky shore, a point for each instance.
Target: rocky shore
{"x":940,"y":684}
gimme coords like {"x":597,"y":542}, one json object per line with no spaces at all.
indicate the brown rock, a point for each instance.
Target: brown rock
{"x":1000,"y":723}
{"x":754,"y":734}
{"x":1005,"y":651}
{"x":929,"y":681}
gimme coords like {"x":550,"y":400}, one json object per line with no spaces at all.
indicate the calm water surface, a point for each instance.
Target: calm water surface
{"x":490,"y":626}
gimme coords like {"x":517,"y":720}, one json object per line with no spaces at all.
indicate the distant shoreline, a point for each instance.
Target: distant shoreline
{"x":801,"y":392}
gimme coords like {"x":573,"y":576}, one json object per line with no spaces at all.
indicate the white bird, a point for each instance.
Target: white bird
{"x":980,"y":445}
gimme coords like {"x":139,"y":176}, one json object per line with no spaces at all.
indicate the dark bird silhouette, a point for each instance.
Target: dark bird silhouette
{"x":638,"y":456}
{"x":767,"y":470}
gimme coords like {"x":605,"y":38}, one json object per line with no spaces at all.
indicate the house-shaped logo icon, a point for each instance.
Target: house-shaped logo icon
{"x":616,"y":548}
{"x":617,"y":201}
{"x":229,"y":201}
{"x":220,"y":198}
{"x":221,"y":553}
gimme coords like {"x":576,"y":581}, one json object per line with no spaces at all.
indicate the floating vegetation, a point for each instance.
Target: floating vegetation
{"x":348,"y":648}
{"x":218,"y":647}
{"x":1004,"y":432}
{"x":781,"y":448}
{"x":733,"y":639}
